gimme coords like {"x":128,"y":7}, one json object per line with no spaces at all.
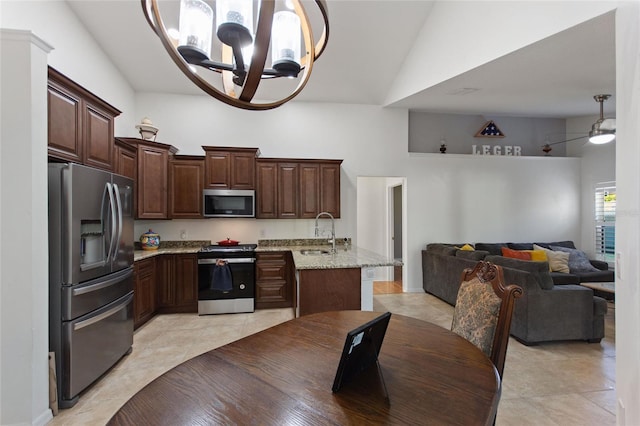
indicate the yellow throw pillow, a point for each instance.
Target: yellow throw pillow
{"x":538,"y":255}
{"x":467,"y":247}
{"x":558,"y":261}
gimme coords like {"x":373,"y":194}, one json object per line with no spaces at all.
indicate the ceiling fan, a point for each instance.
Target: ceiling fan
{"x":602,"y":131}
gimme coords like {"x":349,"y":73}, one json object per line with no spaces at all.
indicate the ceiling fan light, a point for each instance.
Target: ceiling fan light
{"x":600,"y":136}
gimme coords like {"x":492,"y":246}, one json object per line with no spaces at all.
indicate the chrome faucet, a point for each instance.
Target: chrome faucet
{"x":333,"y":230}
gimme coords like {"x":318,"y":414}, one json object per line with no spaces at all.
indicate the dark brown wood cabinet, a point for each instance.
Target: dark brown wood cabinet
{"x":80,"y":125}
{"x":288,"y":196}
{"x":144,"y":291}
{"x":230,"y":168}
{"x":274,"y":280}
{"x":186,"y":182}
{"x":152,"y":180}
{"x":289,"y":189}
{"x":125,"y":159}
{"x":330,"y":188}
{"x":324,"y":290}
{"x":177,"y":283}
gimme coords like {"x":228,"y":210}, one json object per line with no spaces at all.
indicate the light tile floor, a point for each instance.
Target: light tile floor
{"x":567,"y":383}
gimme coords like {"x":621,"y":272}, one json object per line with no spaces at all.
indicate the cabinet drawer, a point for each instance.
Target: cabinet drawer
{"x":276,"y":256}
{"x":274,"y":291}
{"x":270,"y":271}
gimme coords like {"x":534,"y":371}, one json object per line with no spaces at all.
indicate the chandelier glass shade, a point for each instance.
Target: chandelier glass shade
{"x":231,"y":63}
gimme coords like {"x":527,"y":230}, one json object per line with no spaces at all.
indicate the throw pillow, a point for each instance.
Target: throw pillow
{"x":538,"y":255}
{"x":467,"y":247}
{"x":516,"y":254}
{"x":578,"y":260}
{"x":558,"y":260}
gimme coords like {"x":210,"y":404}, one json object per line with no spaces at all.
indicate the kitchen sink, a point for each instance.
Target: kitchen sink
{"x":310,"y":252}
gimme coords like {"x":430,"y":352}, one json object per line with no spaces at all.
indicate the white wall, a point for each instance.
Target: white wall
{"x":449,"y":198}
{"x":598,"y":164}
{"x":24,"y":280}
{"x":628,"y":213}
{"x":76,"y":54}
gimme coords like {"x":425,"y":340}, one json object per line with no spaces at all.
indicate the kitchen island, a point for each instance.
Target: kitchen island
{"x":329,"y":281}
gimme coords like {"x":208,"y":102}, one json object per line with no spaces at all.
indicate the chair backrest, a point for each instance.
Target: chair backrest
{"x":483,"y":311}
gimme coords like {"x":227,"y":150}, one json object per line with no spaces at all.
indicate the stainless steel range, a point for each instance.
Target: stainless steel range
{"x":226,"y":279}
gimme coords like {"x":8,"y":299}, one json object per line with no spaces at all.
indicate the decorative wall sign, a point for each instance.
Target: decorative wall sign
{"x":489,"y":130}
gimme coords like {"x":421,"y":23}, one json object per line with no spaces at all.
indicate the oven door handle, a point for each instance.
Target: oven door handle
{"x":239,"y":260}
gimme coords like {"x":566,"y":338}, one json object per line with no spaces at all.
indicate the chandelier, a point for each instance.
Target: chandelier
{"x":231,"y":65}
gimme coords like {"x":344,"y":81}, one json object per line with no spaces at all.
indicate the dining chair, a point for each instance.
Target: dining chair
{"x":483,"y":311}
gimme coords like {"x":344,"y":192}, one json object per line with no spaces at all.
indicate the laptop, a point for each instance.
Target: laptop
{"x":361,"y":349}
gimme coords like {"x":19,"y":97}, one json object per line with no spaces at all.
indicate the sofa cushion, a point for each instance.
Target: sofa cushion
{"x":493,"y":248}
{"x":567,"y":244}
{"x":540,"y":270}
{"x":578,"y":260}
{"x":472,"y":255}
{"x":443,"y":249}
{"x":467,"y":247}
{"x":595,"y":277}
{"x":562,"y":278}
{"x":516,"y":254}
{"x":520,"y":246}
{"x":538,"y":255}
{"x":558,"y":260}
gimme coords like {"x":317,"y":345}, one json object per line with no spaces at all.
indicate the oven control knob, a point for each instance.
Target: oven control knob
{"x":242,"y":286}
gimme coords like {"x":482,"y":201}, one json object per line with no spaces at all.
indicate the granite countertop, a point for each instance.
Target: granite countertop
{"x":346,"y":256}
{"x":169,"y":247}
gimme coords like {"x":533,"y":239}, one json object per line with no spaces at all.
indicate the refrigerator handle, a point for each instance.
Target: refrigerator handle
{"x":112,"y":210}
{"x":116,"y":192}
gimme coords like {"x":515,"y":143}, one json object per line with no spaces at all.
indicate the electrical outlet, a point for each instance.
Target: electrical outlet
{"x":183,"y":234}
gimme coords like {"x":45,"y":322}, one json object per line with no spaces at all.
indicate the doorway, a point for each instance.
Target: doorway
{"x":380,"y":226}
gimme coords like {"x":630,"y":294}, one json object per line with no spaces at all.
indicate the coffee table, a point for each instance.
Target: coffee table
{"x":607,"y":287}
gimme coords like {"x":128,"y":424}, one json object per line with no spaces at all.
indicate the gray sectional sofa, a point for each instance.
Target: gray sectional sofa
{"x":549,"y":310}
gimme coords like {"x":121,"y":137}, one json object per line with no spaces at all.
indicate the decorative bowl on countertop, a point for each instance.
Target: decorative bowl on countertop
{"x":150,"y":240}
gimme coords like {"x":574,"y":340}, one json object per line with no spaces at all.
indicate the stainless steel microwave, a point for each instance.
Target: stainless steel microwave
{"x":229,"y":202}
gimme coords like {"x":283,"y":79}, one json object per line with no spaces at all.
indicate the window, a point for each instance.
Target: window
{"x":605,"y":221}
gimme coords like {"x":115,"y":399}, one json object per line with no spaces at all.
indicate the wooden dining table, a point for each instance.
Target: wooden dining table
{"x":283,"y":375}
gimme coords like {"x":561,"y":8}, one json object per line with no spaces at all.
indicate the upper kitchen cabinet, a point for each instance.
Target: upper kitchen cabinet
{"x":186,"y":182}
{"x":80,"y":124}
{"x":125,"y":159}
{"x":152,"y":178}
{"x":230,"y":168}
{"x":289,"y":189}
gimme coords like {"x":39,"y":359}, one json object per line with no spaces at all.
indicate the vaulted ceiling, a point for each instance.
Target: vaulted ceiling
{"x":555,"y":77}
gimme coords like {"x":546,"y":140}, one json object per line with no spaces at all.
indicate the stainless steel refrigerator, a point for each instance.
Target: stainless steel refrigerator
{"x":90,"y":274}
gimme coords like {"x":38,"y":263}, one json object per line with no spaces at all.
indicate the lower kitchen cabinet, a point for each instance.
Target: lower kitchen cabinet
{"x":274,"y":280}
{"x":177,"y":283}
{"x":144,"y":291}
{"x":323,"y":290}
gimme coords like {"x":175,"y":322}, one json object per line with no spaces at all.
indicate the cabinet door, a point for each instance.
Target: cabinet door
{"x":165,"y":272}
{"x":218,"y":169}
{"x":266,"y":190}
{"x":98,"y":137}
{"x":330,"y":189}
{"x":274,"y":280}
{"x":64,"y":123}
{"x":309,"y":190}
{"x":243,"y":170}
{"x":287,"y":190}
{"x":186,"y":281}
{"x":152,"y":182}
{"x":186,"y":182}
{"x":144,"y":295}
{"x":125,"y":162}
